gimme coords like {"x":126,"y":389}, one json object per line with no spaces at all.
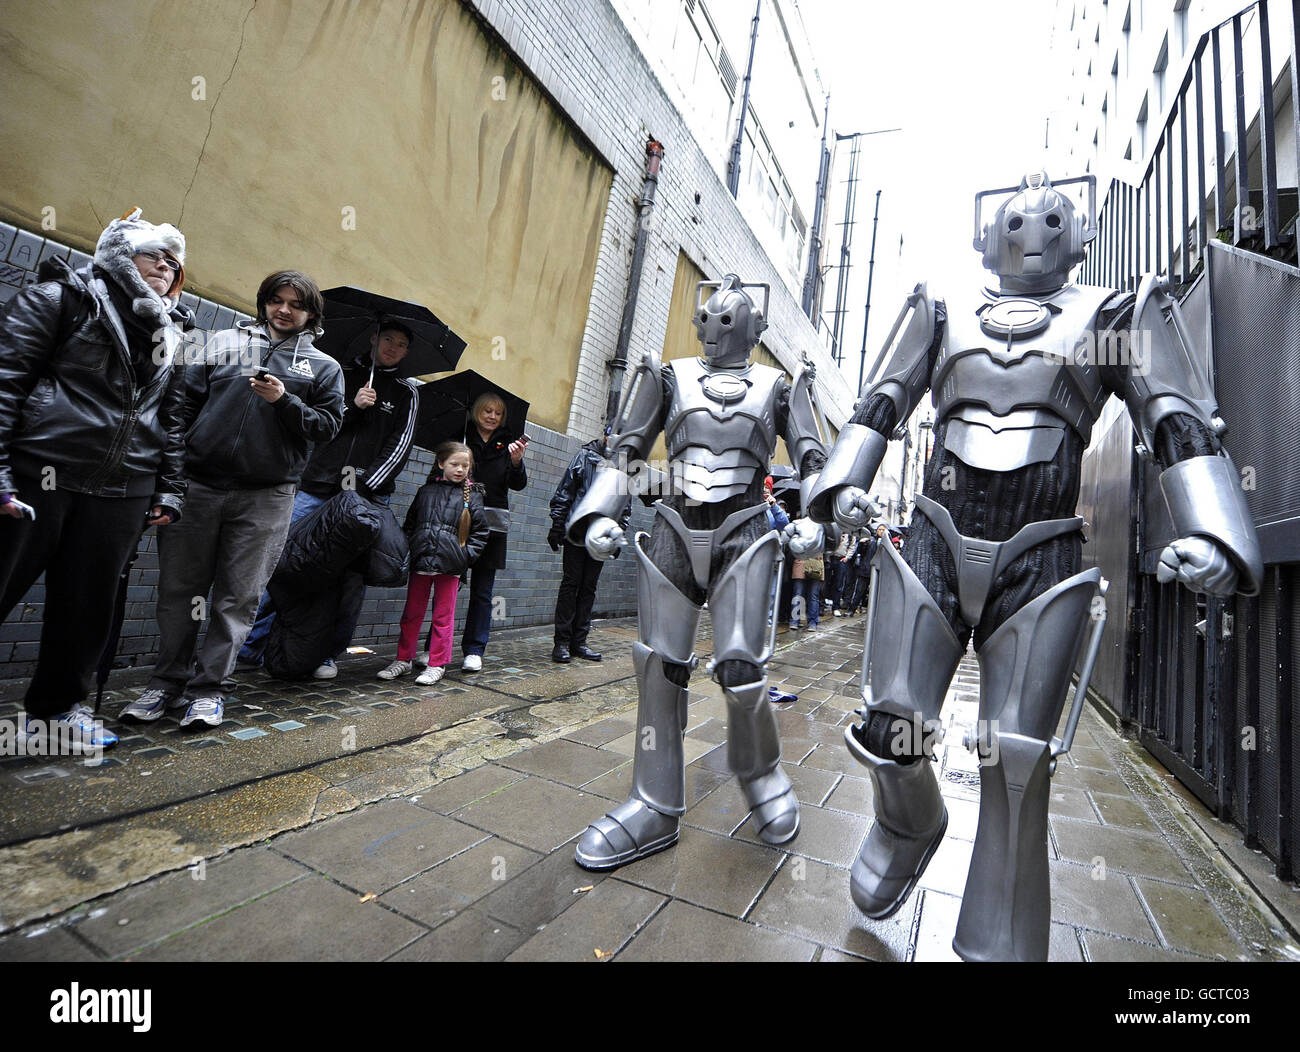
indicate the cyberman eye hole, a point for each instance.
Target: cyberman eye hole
{"x":704,"y":315}
{"x":1016,"y":223}
{"x":1054,"y":221}
{"x":726,"y":319}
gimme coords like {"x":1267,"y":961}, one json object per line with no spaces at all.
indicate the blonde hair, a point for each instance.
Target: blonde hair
{"x":441,"y":455}
{"x":488,"y":398}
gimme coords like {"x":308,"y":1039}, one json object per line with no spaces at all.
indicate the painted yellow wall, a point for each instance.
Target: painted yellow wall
{"x":471,"y":194}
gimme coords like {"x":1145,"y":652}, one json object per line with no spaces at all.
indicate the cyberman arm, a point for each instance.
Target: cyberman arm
{"x":803,"y":429}
{"x":594,"y":520}
{"x":1172,"y":405}
{"x":840,"y":490}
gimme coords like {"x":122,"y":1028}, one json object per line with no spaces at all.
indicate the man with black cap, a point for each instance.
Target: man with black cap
{"x":91,"y":452}
{"x":369,"y":452}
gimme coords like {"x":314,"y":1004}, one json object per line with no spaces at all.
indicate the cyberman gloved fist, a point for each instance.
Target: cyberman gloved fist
{"x":853,"y":509}
{"x":803,"y":538}
{"x":604,"y":539}
{"x":1200,"y":564}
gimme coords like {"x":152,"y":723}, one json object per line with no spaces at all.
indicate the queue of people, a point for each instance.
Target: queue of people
{"x":107,"y":428}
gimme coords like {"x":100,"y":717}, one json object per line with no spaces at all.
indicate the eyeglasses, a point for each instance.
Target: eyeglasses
{"x":172,"y":265}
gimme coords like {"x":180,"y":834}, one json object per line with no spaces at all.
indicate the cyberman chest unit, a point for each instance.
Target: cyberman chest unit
{"x":1014,"y":371}
{"x":721,"y":427}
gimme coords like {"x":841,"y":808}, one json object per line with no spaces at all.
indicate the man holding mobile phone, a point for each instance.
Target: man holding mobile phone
{"x":91,"y":448}
{"x":255,"y":405}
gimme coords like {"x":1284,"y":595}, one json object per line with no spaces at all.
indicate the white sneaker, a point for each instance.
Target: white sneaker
{"x":397,"y":668}
{"x":326,"y":670}
{"x":430,"y":675}
{"x":472,"y":663}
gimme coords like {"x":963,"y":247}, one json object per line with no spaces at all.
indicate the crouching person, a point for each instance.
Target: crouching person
{"x":91,"y":445}
{"x":259,"y":400}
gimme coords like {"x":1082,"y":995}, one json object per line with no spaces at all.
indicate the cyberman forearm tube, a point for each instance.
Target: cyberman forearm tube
{"x":1204,"y":498}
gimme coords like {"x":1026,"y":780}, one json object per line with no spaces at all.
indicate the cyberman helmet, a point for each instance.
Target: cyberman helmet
{"x":1036,"y":238}
{"x":728,"y":323}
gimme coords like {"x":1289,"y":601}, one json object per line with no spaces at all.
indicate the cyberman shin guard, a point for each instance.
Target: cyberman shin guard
{"x":648,"y":820}
{"x":909,"y":659}
{"x":1025,"y":671}
{"x":743,"y":633}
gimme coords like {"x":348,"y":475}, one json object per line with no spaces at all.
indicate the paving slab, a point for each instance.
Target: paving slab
{"x":464,"y":789}
{"x":439,"y":894}
{"x":45,"y":944}
{"x":378,"y":847}
{"x":1113,"y":949}
{"x":718,"y":873}
{"x":682,"y":932}
{"x":602,"y":732}
{"x":540,"y":893}
{"x":1110,"y":905}
{"x":312,"y":919}
{"x":140,"y":915}
{"x":537,"y":813}
{"x":599,"y":924}
{"x":811,"y":900}
{"x":566,"y":762}
{"x":471,"y":936}
{"x":1127,"y":850}
{"x":1186,"y":920}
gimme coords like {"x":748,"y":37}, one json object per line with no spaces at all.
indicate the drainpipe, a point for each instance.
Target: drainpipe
{"x":733,"y":161}
{"x":654,"y":153}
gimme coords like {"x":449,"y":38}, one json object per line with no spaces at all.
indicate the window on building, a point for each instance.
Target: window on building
{"x":1142,"y":127}
{"x":1160,"y":70}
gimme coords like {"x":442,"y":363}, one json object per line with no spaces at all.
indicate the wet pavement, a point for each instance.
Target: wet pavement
{"x":372,"y":821}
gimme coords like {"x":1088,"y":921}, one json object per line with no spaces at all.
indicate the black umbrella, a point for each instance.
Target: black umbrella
{"x":445,"y":406}
{"x":353,"y":315}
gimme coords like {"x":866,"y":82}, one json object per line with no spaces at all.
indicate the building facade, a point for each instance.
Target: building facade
{"x":486,"y":159}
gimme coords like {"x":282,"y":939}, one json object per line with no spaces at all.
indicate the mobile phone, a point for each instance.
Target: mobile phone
{"x":25,"y":510}
{"x":263,"y":376}
{"x":524,"y":438}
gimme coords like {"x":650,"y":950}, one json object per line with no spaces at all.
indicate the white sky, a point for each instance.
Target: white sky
{"x":971,"y":84}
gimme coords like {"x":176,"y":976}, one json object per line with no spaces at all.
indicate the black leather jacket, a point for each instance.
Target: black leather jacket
{"x":81,"y":396}
{"x":577,"y":480}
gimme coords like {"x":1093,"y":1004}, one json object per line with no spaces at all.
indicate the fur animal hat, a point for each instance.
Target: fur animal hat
{"x":122,"y":239}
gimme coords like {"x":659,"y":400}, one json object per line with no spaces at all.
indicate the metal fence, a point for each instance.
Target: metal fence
{"x":1211,"y":683}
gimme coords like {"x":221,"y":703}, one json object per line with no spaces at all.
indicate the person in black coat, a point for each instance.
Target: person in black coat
{"x":581,"y":573}
{"x":92,"y":443}
{"x":498,"y":467}
{"x":447,"y":530}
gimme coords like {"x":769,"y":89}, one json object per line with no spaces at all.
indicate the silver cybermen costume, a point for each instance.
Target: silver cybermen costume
{"x":1019,"y":376}
{"x":720,"y":416}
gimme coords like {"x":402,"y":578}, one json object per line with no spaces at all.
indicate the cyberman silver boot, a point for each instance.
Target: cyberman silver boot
{"x":648,"y":820}
{"x":754,"y":754}
{"x":1025,"y":669}
{"x":909,"y":659}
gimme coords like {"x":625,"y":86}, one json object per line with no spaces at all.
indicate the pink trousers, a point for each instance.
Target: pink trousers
{"x":443,"y":586}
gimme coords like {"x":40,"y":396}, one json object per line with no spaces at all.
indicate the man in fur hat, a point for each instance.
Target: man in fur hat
{"x":91,"y":452}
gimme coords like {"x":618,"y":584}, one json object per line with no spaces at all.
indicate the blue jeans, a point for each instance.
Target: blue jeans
{"x":478,"y":617}
{"x":810,"y":592}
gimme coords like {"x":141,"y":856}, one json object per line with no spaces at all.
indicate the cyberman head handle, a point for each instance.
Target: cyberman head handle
{"x":728,"y":323}
{"x":1036,"y":238}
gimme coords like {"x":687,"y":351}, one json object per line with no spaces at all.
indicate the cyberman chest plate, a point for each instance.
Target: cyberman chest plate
{"x":1013,"y":371}
{"x":721,"y":426}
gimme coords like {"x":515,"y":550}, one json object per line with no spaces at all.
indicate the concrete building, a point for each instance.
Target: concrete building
{"x":486,"y":159}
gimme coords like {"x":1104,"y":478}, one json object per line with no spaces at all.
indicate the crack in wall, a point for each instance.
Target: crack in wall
{"x":243,"y":28}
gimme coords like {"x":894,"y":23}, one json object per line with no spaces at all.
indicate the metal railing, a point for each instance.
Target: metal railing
{"x":1211,"y":683}
{"x":1148,"y":224}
